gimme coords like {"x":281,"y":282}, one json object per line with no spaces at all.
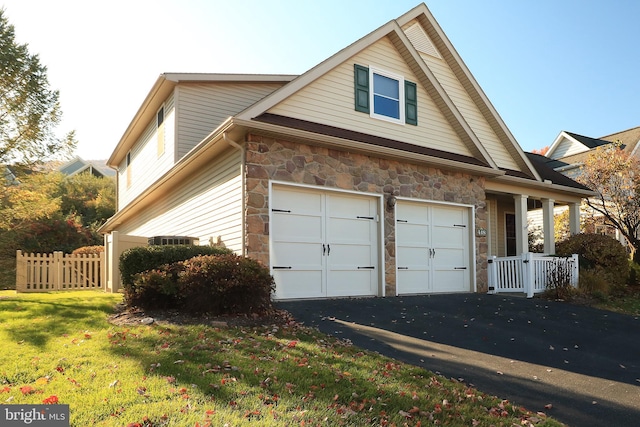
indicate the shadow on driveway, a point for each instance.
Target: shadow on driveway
{"x":584,"y":362}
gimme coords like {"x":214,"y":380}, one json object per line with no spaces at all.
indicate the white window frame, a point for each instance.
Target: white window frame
{"x":400,"y":79}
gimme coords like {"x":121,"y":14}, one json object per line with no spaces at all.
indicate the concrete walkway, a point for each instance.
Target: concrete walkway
{"x":584,"y":362}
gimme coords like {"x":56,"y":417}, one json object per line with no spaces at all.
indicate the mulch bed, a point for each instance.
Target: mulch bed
{"x":124,"y":316}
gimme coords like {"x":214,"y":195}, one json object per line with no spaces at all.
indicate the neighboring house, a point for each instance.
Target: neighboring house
{"x":78,"y":165}
{"x":567,"y":155}
{"x":384,"y":170}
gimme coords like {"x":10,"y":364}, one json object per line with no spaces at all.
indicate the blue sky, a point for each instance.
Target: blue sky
{"x":546,"y":65}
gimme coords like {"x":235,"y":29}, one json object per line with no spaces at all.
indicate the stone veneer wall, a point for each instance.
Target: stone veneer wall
{"x":274,"y":159}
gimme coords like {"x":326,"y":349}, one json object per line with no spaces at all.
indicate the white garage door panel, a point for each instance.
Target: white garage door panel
{"x":413,"y":281}
{"x":298,"y":255}
{"x":412,"y":234}
{"x":342,"y":283}
{"x":450,"y":257}
{"x":450,"y":236}
{"x":450,"y":281}
{"x":293,"y":227}
{"x":432,"y":248}
{"x":449,"y":215}
{"x":297,"y":201}
{"x":325,"y":238}
{"x":298,"y":283}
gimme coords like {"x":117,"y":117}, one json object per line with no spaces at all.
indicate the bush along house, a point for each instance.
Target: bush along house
{"x":382,"y":171}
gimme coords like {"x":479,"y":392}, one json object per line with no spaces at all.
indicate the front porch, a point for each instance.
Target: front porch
{"x":511,"y":267}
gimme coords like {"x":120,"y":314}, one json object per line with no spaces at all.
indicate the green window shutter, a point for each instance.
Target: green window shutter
{"x":361,"y":83}
{"x":411,"y":103}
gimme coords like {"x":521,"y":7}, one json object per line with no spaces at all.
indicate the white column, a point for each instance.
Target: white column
{"x":574,"y":218}
{"x":547,"y":226}
{"x":522,"y":236}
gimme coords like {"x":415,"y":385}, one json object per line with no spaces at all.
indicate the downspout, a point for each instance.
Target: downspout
{"x":239,"y":147}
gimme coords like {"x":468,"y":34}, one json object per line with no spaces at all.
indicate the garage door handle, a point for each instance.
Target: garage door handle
{"x":365,"y":217}
{"x":460,"y":268}
{"x":324,"y":249}
{"x":366,"y":268}
{"x":328,"y":249}
{"x":282,"y":268}
{"x":403,"y":268}
{"x":280,"y":210}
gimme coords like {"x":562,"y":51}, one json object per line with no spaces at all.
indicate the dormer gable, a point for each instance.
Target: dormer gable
{"x":569,"y":144}
{"x":410,"y":59}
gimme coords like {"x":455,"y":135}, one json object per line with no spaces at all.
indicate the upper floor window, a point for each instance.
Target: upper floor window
{"x":160,"y":127}
{"x":128,"y":166}
{"x":385,"y":95}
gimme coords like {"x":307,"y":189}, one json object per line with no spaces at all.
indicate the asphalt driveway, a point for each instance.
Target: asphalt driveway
{"x":584,"y":362}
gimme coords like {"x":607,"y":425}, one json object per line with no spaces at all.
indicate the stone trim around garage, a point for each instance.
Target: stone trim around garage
{"x":268,"y":159}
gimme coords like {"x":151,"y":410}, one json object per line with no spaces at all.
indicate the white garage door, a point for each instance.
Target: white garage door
{"x":323,"y":244}
{"x":432,"y":248}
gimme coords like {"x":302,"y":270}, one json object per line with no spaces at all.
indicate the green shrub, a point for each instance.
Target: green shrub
{"x":225,"y":284}
{"x":144,"y":258}
{"x":156,"y":289}
{"x":599,"y":254}
{"x":89,"y":250}
{"x":591,"y":282}
{"x":634,"y":274}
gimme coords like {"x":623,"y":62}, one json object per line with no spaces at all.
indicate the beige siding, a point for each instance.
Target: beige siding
{"x":146,"y":166}
{"x":203,"y":107}
{"x":470,"y":112}
{"x":566,"y":147}
{"x":330,"y":100}
{"x":207,"y":205}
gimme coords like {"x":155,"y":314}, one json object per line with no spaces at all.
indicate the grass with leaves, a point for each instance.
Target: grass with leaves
{"x":60,"y":348}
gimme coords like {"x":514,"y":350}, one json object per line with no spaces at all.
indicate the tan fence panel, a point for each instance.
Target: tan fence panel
{"x":58,"y":272}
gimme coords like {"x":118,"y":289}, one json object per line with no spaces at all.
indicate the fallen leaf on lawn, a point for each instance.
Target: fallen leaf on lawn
{"x":405,"y":414}
{"x":51,"y":400}
{"x":113,"y":383}
{"x":42,"y":381}
{"x":179,"y":361}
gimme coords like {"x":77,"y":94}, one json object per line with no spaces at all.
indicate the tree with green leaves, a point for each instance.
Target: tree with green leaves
{"x":614,"y":175}
{"x":29,"y":108}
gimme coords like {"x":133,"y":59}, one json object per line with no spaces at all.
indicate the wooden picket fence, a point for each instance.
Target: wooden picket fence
{"x":59,"y":272}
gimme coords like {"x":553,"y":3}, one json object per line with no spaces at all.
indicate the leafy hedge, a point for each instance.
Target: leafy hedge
{"x":144,"y":258}
{"x":89,"y":250}
{"x":598,"y":254}
{"x":217,"y":284}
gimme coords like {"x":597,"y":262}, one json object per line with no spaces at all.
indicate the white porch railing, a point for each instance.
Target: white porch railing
{"x":529,"y":273}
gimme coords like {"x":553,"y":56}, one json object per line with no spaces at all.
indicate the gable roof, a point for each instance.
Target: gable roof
{"x":545,"y":168}
{"x":629,"y":138}
{"x":393,"y":31}
{"x":585,"y":141}
{"x":164,"y":85}
{"x":78,"y":165}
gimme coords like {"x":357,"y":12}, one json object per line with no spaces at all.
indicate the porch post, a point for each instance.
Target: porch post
{"x":522,"y":237}
{"x":547,"y":226}
{"x":574,"y":218}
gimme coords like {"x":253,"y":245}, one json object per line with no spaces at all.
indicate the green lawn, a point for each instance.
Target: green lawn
{"x":60,"y":347}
